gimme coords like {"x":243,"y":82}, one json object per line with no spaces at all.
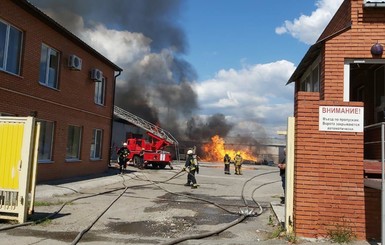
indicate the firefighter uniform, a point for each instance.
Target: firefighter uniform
{"x":141,"y":161}
{"x":227,"y":161}
{"x":123,"y":153}
{"x":238,"y":163}
{"x":192,"y":167}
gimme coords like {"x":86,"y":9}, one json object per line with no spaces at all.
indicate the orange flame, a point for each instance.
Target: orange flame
{"x":216,"y":150}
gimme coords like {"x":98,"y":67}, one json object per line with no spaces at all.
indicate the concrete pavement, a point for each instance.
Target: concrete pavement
{"x":52,"y":189}
{"x":71,"y":186}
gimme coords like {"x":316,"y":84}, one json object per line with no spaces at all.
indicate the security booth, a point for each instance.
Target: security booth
{"x":18,"y":160}
{"x":339,"y":107}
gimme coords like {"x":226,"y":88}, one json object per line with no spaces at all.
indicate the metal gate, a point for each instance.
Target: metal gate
{"x":18,"y":158}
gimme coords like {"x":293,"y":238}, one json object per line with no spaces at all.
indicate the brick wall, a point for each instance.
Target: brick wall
{"x":71,"y":104}
{"x":328,"y":174}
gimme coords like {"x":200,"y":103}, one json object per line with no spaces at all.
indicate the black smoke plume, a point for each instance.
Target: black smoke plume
{"x":202,"y":130}
{"x":156,"y":83}
{"x":155,"y":19}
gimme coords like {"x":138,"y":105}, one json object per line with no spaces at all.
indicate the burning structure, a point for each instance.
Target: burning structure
{"x":251,"y":151}
{"x":216,"y":150}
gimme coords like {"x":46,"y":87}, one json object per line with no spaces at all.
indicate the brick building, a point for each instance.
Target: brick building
{"x":342,"y":73}
{"x":49,"y":73}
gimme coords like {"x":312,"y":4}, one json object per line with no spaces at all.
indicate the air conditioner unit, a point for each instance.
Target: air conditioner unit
{"x":96,"y":75}
{"x":75,"y":63}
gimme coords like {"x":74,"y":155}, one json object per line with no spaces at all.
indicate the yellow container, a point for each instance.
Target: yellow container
{"x":11,"y":140}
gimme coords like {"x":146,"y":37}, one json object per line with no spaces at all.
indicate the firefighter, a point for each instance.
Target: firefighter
{"x":123,"y":153}
{"x":227,"y":161}
{"x":238,"y":163}
{"x":191,"y":167}
{"x":141,"y":161}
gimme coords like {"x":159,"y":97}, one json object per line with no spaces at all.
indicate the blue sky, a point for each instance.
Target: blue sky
{"x":226,"y":34}
{"x":243,"y":51}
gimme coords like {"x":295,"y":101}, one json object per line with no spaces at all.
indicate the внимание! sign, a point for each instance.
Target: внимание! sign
{"x":341,"y":118}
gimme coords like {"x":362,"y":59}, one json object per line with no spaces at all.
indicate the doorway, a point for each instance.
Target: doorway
{"x":365,"y":82}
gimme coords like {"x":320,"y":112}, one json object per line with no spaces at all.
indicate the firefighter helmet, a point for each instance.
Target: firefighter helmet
{"x":124,"y":144}
{"x":189,"y":152}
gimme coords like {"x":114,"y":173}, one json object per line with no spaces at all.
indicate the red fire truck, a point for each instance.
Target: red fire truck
{"x":152,"y":151}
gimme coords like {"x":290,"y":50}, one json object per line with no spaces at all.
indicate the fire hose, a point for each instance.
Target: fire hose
{"x":244,"y":213}
{"x":206,"y":234}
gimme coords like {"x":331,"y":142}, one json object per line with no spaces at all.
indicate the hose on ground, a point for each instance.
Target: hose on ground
{"x":192,"y":197}
{"x":206,"y":234}
{"x":197,"y":236}
{"x":84,"y":231}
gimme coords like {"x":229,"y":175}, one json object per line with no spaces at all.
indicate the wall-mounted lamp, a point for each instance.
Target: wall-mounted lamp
{"x":33,"y":113}
{"x":377,"y":49}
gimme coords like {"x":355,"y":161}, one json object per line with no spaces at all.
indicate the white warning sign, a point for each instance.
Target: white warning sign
{"x":341,"y":118}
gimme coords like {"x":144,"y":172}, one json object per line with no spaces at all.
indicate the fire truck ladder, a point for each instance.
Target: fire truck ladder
{"x":129,"y":117}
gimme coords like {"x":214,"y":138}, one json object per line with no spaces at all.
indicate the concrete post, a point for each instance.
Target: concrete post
{"x":289,"y":195}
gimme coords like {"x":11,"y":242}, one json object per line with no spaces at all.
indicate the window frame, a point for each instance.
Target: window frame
{"x":100,"y":92}
{"x":51,"y":141}
{"x":96,"y":144}
{"x":307,"y":83}
{"x":10,"y":45}
{"x":45,"y":63}
{"x":70,"y":145}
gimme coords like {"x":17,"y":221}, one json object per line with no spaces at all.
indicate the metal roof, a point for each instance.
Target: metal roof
{"x":306,"y":61}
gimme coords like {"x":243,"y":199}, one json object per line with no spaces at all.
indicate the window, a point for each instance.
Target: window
{"x":96,"y":145}
{"x":100,"y":92}
{"x":315,"y":77}
{"x":10,"y":48}
{"x":306,"y":84}
{"x":73,"y":143}
{"x":45,"y":141}
{"x":311,"y":79}
{"x":49,"y":66}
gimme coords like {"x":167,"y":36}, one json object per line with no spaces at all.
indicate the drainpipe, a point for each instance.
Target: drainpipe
{"x":112,"y":117}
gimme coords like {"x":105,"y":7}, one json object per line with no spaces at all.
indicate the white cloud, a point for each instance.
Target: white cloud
{"x":121,"y":47}
{"x":256,"y":94}
{"x":307,"y":28}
